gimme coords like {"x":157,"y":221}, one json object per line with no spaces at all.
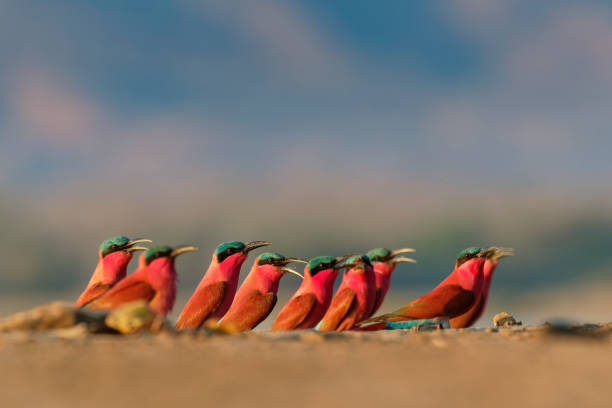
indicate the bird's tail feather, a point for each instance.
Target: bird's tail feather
{"x":377,"y":319}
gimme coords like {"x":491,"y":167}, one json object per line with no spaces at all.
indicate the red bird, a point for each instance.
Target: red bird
{"x":471,"y":316}
{"x":310,"y":302}
{"x":154,"y":282}
{"x":215,"y":292}
{"x":454,"y":296}
{"x":113,"y":257}
{"x":257,"y":295}
{"x":354,"y":299}
{"x":384,"y":261}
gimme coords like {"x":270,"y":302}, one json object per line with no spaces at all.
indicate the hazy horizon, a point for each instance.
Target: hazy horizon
{"x":324,"y":127}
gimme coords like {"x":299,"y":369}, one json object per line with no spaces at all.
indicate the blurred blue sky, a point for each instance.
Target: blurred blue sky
{"x":466,"y":91}
{"x":325,"y":127}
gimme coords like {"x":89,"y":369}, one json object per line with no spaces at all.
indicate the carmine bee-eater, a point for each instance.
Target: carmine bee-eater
{"x":384,"y":261}
{"x":113,"y":257}
{"x":256,"y":296}
{"x":154,"y":282}
{"x":454,"y":296}
{"x":354,"y":299}
{"x":215,"y":292}
{"x":471,"y":316}
{"x":312,"y":299}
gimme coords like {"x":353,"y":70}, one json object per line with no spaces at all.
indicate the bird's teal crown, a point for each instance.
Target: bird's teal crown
{"x":113,"y":244}
{"x":469,"y":252}
{"x":236,"y":245}
{"x":157,"y":252}
{"x":269,"y":258}
{"x":320,"y":263}
{"x":359,"y":258}
{"x":228,"y":249}
{"x":378,"y":254}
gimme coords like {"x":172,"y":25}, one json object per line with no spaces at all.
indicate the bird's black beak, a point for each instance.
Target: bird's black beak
{"x":131,"y":245}
{"x":254,"y":245}
{"x":338,"y":261}
{"x":395,"y":259}
{"x":182,"y":249}
{"x":498,"y":252}
{"x":285,"y":269}
{"x":292,"y":260}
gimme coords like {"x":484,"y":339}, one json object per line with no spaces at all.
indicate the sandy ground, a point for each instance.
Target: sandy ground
{"x":505,"y":368}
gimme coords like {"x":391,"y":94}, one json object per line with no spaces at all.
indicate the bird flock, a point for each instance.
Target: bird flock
{"x":457,"y":302}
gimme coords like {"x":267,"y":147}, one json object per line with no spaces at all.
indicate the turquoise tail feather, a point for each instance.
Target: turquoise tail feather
{"x":419,"y":323}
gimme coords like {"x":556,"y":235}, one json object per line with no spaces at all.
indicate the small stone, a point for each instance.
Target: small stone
{"x":439,"y":343}
{"x":311,"y":336}
{"x":79,"y":331}
{"x":134,"y":317}
{"x":504,"y":319}
{"x":56,"y":315}
{"x":214,"y":326}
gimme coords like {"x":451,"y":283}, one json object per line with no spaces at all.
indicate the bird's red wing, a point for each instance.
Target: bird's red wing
{"x":340,"y":305}
{"x":470,"y":317}
{"x":294,"y":312}
{"x":92,"y":293}
{"x":202,"y":304}
{"x":350,"y":320}
{"x":251,"y":311}
{"x":377,"y":301}
{"x":445,"y":301}
{"x":124,"y":293}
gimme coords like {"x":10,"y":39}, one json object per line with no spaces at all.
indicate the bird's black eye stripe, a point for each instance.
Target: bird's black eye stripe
{"x":321,"y":267}
{"x":465,"y":258}
{"x":227,"y":253}
{"x":111,"y":249}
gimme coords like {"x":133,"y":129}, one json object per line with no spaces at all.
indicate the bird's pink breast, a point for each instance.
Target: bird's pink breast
{"x":322,"y":287}
{"x":114,"y":267}
{"x":364,"y":286}
{"x":161,"y":275}
{"x":227,"y":271}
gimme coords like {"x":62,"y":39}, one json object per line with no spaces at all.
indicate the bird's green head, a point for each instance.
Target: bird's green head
{"x":379,"y":254}
{"x":357,"y":261}
{"x":157,"y":252}
{"x":165,"y":251}
{"x":270,"y":258}
{"x":469,"y":253}
{"x":323,"y":263}
{"x":390,"y":257}
{"x":279,"y":261}
{"x":121,"y":243}
{"x":230,"y":248}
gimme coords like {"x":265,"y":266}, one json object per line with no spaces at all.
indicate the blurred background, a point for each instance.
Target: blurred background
{"x":325,"y":127}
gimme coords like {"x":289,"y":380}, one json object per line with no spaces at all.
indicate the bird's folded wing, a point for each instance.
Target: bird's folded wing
{"x":444,"y":301}
{"x":202,"y":304}
{"x":124,"y":292}
{"x":350,"y":319}
{"x":470,"y":317}
{"x":92,"y":293}
{"x":294,"y":312}
{"x":340,"y":305}
{"x":377,"y":301}
{"x":253,"y":309}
